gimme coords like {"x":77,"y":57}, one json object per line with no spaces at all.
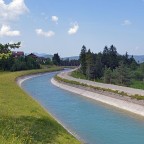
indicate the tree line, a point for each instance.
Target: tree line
{"x":110,"y":67}
{"x":8,"y":62}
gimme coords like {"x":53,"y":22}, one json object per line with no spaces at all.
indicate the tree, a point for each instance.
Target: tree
{"x":123,"y":75}
{"x":107,"y":75}
{"x":6,"y":59}
{"x":89,"y":64}
{"x":56,"y":59}
{"x":113,"y":57}
{"x":110,"y":57}
{"x":98,"y":66}
{"x":83,"y":60}
{"x":105,"y":57}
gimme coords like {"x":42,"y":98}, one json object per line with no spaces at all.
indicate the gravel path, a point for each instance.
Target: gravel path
{"x":129,"y":91}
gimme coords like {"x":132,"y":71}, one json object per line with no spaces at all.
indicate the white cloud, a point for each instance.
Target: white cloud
{"x":73,"y":29}
{"x":6,"y":31}
{"x":126,"y":22}
{"x":46,"y":34}
{"x":55,"y":19}
{"x":12,"y":10}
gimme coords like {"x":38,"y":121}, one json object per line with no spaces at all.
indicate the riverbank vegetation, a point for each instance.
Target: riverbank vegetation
{"x":110,"y":67}
{"x":16,"y":61}
{"x":22,"y":119}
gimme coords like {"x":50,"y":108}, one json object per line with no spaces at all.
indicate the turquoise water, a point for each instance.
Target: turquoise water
{"x":92,"y":121}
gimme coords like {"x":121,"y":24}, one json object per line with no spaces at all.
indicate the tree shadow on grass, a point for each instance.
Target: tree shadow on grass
{"x":32,"y":130}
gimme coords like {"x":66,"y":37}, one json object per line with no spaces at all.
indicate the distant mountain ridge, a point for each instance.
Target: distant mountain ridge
{"x":139,"y":58}
{"x":44,"y":55}
{"x":71,"y":58}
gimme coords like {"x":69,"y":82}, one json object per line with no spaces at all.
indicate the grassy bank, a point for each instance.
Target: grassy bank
{"x":23,"y":120}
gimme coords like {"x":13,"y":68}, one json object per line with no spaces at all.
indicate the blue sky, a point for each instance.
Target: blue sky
{"x":51,"y":26}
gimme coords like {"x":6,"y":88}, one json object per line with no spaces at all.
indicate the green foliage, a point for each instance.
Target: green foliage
{"x":83,"y":60}
{"x":6,"y":59}
{"x":6,"y":48}
{"x":68,"y":62}
{"x":78,"y":74}
{"x":22,"y":119}
{"x":137,"y":84}
{"x":110,"y":57}
{"x":121,"y":75}
{"x":108,"y":75}
{"x":9,"y":62}
{"x":56,"y":59}
{"x":24,"y":63}
{"x":109,"y":66}
{"x":48,"y":62}
{"x":90,"y":65}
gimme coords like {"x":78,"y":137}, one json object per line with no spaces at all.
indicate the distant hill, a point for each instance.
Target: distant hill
{"x":44,"y":55}
{"x":139,"y":58}
{"x":71,"y":58}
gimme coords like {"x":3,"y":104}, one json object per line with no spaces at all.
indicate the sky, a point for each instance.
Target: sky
{"x":64,"y":26}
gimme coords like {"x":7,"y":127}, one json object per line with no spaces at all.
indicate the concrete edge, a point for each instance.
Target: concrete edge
{"x":128,"y":106}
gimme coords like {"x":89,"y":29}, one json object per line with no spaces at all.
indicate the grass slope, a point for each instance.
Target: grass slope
{"x":22,"y":119}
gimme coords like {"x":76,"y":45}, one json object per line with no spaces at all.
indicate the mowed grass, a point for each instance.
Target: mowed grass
{"x":22,"y":119}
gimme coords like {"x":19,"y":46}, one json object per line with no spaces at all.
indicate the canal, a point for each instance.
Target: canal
{"x":92,"y":121}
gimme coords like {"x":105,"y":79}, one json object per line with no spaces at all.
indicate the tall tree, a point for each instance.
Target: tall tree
{"x":113,"y":57}
{"x":56,"y":59}
{"x":83,"y":60}
{"x":107,"y":75}
{"x":105,"y":56}
{"x":89,"y":64}
{"x":123,"y":77}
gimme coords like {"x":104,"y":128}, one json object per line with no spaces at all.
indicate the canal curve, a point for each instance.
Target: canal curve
{"x":92,"y":121}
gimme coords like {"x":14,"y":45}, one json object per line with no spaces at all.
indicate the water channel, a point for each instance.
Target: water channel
{"x":92,"y":121}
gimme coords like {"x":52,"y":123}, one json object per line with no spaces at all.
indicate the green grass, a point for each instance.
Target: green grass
{"x":22,"y":119}
{"x":138,"y":97}
{"x":137,"y":84}
{"x":78,"y":74}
